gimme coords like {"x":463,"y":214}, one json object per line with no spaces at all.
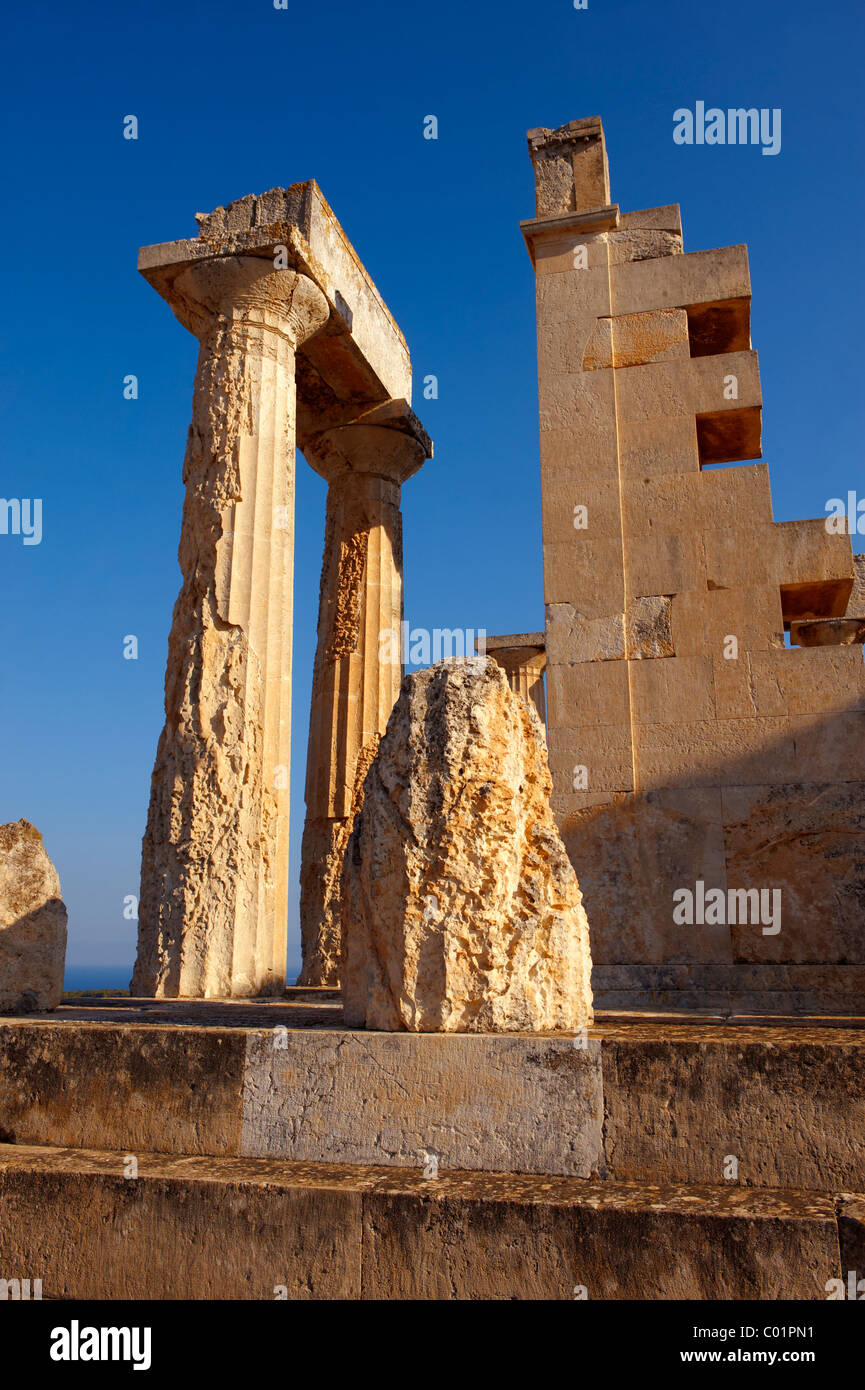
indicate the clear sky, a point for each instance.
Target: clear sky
{"x":237,"y":98}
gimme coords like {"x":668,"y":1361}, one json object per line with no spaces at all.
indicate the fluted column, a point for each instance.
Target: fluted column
{"x":358,"y":664}
{"x":524,"y":667}
{"x":214,"y":877}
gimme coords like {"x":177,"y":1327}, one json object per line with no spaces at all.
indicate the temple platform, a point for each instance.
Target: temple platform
{"x":658,"y":1156}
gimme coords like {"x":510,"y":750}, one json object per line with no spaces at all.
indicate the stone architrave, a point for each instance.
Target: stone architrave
{"x":462,"y":910}
{"x":213,"y":906}
{"x":32,"y":922}
{"x":358,"y":663}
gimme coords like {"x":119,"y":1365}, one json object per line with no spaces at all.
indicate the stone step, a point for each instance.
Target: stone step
{"x":234,"y":1228}
{"x":646,"y":1099}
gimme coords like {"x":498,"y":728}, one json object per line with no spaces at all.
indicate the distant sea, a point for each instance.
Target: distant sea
{"x":118,"y":976}
{"x":97,"y":976}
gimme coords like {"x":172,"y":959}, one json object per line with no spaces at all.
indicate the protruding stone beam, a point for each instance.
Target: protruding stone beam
{"x":523,"y":658}
{"x":358,"y":663}
{"x":846,"y":631}
{"x":213,"y":906}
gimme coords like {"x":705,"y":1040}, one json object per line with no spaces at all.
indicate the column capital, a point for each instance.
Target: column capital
{"x":387,"y":441}
{"x":248,"y":290}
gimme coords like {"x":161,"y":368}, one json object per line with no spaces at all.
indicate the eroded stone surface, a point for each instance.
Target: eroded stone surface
{"x":358,"y":666}
{"x":214,"y":873}
{"x":32,"y":922}
{"x":461,"y":910}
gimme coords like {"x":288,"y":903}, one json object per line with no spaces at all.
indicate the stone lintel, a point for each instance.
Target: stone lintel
{"x":360,"y":356}
{"x":530,"y":640}
{"x":534,"y":229}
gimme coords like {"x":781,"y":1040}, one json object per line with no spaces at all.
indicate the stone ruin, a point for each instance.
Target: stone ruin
{"x":693,"y":754}
{"x":452,"y":1123}
{"x":297,"y":348}
{"x":690,"y":749}
{"x":688,"y":744}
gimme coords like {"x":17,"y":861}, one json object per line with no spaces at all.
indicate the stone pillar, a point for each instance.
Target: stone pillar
{"x":214,"y":877}
{"x":523,"y":660}
{"x":358,"y":663}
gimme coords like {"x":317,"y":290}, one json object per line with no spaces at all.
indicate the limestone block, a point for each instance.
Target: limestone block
{"x":32,"y":922}
{"x":830,"y":747}
{"x":735,"y":694}
{"x":228,"y":1229}
{"x":712,"y":753}
{"x":665,"y":219}
{"x":675,"y":282}
{"x":738,"y":496}
{"x":665,"y":563}
{"x":495,"y":1103}
{"x":702,"y":622}
{"x":659,"y":335}
{"x":662,"y":444}
{"x":662,"y":504}
{"x":462,"y":912}
{"x":580,"y":507}
{"x":578,"y":399}
{"x":642,"y":244}
{"x":804,"y":838}
{"x":814,"y":568}
{"x":554,"y":255}
{"x":642,"y":849}
{"x":695,"y":386}
{"x":579,"y":453}
{"x":562,"y":346}
{"x":589,"y":692}
{"x":603,"y":750}
{"x":735,"y":552}
{"x":648,"y":631}
{"x":575,"y":298}
{"x":856,"y":601}
{"x":678,"y":690}
{"x":572,"y":637}
{"x":589,"y":572}
{"x":788,"y":1102}
{"x":570,"y":165}
{"x":808,"y":680}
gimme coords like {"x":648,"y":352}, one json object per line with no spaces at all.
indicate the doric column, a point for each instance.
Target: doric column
{"x":214,"y":878}
{"x":358,"y":663}
{"x":523,"y":659}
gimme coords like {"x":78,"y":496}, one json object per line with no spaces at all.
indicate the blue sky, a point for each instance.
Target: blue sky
{"x":238,"y":98}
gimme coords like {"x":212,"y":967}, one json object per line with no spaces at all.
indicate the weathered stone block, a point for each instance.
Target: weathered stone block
{"x":462,"y":912}
{"x":32,"y":922}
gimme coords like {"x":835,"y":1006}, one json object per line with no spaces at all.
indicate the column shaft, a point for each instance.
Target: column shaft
{"x":356,"y":682}
{"x":213,"y":905}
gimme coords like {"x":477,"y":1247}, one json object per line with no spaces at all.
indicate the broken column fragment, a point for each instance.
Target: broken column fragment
{"x":461,"y":910}
{"x":32,"y":922}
